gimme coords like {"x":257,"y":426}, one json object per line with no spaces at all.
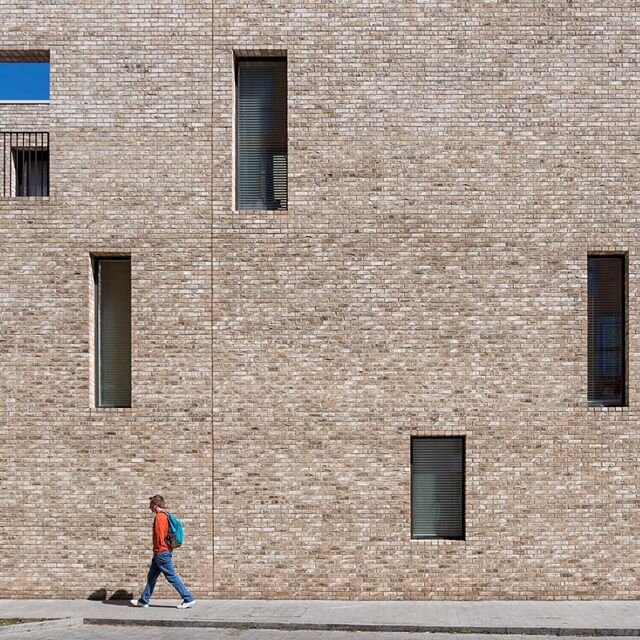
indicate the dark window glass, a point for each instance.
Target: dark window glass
{"x":261,"y":134}
{"x":31,"y":171}
{"x":437,"y":487}
{"x":606,"y":330}
{"x":113,"y":331}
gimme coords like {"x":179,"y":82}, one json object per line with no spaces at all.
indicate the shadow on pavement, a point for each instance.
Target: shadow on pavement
{"x":120,"y":597}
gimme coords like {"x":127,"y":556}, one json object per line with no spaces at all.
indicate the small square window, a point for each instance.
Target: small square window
{"x":32,"y":171}
{"x":25,"y":164}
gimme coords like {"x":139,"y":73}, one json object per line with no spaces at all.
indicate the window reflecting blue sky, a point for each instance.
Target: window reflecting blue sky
{"x":24,"y":80}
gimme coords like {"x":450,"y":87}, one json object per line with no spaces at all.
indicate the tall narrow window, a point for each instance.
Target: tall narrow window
{"x":113,"y":331}
{"x":437,"y":487}
{"x":606,"y":330}
{"x":261,"y":134}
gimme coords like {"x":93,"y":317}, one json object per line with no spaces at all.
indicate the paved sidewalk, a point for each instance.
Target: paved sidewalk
{"x":514,"y":617}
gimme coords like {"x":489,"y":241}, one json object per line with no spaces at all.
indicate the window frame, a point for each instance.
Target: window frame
{"x":463,"y":508}
{"x":622,"y":258}
{"x":35,"y":155}
{"x":27,"y":56}
{"x":96,"y":261}
{"x":237,"y":63}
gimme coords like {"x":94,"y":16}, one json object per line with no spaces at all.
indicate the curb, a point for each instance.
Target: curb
{"x":372,"y":628}
{"x":42,"y":624}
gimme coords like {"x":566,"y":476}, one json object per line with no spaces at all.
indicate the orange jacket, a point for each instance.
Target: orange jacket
{"x":160,"y":532}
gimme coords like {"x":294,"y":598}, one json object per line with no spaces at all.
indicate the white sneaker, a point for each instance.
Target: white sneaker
{"x":137,"y":603}
{"x":186,"y":605}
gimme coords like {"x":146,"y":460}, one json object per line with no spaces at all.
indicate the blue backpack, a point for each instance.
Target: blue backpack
{"x":176,"y":532}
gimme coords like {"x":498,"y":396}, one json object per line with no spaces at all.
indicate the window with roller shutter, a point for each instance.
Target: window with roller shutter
{"x":261,"y":134}
{"x":437,"y":487}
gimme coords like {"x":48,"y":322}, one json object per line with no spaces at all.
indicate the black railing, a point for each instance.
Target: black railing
{"x":25,"y":164}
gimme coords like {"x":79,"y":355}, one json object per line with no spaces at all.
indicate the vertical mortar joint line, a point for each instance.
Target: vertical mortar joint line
{"x":211,"y":187}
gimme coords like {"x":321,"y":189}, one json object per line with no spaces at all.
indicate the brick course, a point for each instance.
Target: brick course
{"x":451,"y":165}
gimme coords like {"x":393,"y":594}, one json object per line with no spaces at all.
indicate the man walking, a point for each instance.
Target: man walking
{"x":162,"y":561}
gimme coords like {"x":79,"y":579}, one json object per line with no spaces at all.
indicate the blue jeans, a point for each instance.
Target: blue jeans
{"x":163,"y":563}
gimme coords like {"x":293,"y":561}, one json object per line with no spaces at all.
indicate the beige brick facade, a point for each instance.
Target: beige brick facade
{"x":451,"y":165}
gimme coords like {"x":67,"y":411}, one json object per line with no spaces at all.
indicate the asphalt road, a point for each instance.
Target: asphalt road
{"x":87,"y":632}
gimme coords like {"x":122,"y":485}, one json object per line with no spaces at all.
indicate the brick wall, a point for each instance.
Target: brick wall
{"x":451,"y":165}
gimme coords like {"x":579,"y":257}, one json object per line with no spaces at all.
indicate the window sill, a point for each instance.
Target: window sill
{"x":608,"y":407}
{"x":260,"y":212}
{"x":25,"y":101}
{"x":440,"y":541}
{"x":117,"y":409}
{"x":25,"y":198}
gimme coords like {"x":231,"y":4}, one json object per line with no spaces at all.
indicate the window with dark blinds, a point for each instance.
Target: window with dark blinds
{"x":113,"y":331}
{"x":261,"y":134}
{"x":606,"y":330}
{"x":437,"y":487}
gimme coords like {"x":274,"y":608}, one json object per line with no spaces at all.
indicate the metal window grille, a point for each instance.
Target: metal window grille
{"x":25,"y":164}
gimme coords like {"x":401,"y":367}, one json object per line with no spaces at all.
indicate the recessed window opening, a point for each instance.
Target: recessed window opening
{"x":607,"y":330}
{"x":25,"y":164}
{"x":112,"y":277}
{"x":261,"y":134}
{"x":24,"y":76}
{"x":437,"y":487}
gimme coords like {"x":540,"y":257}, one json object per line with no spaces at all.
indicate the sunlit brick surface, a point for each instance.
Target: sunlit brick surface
{"x":451,"y":165}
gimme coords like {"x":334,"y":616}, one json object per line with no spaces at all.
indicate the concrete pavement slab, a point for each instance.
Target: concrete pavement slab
{"x":40,"y":625}
{"x":611,"y":618}
{"x":151,"y":633}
